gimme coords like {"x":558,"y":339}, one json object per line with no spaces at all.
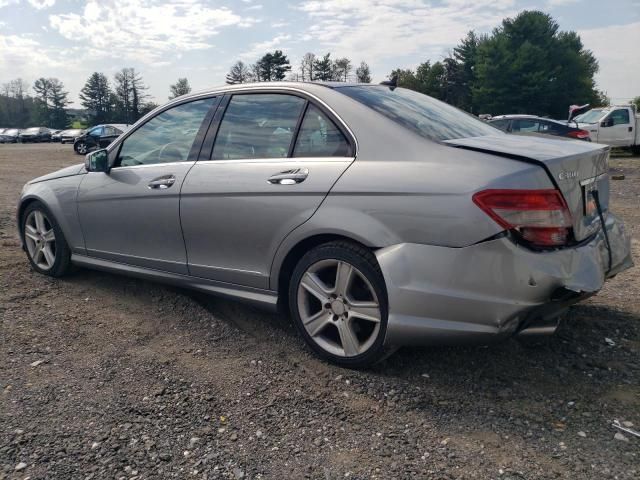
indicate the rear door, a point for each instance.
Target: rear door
{"x":616,"y":128}
{"x":276,"y":156}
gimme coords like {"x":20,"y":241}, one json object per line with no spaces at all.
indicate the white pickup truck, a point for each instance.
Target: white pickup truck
{"x":617,"y":125}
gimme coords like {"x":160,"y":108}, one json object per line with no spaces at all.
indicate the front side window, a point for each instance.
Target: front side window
{"x":167,"y":137}
{"x":319,"y":137}
{"x":258,"y":126}
{"x":424,"y":115}
{"x":96,"y":132}
{"x":620,"y":117}
{"x":501,"y":124}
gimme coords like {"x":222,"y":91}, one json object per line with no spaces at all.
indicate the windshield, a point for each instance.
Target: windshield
{"x":592,"y":116}
{"x":32,"y":130}
{"x":424,"y":115}
{"x":11,"y":131}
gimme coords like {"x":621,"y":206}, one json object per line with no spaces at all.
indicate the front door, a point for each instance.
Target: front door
{"x":618,"y":131}
{"x":131,"y":215}
{"x":258,"y":184}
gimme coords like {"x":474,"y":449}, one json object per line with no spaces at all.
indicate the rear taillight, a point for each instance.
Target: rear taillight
{"x":540,"y":217}
{"x":581,"y":134}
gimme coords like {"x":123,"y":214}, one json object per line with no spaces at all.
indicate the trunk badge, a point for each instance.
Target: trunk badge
{"x":567,"y":175}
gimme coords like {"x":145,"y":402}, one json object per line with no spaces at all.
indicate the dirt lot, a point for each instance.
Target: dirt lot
{"x":134,"y":379}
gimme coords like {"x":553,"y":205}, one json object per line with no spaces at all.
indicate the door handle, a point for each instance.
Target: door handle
{"x":289,"y":177}
{"x":162,"y":183}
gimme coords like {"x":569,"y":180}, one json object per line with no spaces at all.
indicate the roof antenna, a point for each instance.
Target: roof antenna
{"x":393,"y":83}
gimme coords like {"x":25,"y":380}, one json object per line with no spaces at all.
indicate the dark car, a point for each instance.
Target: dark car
{"x":69,"y":136}
{"x":55,"y":135}
{"x":35,"y":134}
{"x":98,"y":137}
{"x":9,"y":135}
{"x":533,"y":124}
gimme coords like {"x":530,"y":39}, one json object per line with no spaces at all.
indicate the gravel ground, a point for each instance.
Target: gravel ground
{"x":102,"y":376}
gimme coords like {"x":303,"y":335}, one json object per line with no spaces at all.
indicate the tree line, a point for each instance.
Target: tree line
{"x":275,"y":66}
{"x":526,"y":65}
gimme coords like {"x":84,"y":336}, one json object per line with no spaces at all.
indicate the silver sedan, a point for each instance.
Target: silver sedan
{"x":375,"y":216}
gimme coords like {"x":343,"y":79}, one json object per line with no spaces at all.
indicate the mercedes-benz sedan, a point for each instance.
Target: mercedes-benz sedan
{"x":376,"y":216}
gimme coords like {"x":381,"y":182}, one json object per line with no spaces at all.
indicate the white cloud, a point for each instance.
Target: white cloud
{"x":616,"y":48}
{"x":375,"y":30}
{"x":5,"y":3}
{"x":21,"y":55}
{"x":255,"y":7}
{"x":258,"y":49}
{"x":147,"y":31}
{"x":559,"y":3}
{"x":40,"y":4}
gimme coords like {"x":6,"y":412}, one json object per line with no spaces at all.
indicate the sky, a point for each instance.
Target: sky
{"x":201,"y":39}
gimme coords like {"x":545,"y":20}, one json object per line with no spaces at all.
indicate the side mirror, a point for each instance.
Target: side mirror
{"x":97,"y":161}
{"x":607,"y":123}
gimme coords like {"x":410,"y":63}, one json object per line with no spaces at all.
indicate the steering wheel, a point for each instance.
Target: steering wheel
{"x":171,"y":152}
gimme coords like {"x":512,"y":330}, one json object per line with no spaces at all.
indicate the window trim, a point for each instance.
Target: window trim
{"x":113,"y":149}
{"x":212,"y":134}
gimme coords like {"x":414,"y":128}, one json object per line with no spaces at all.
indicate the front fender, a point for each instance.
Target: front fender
{"x":59,"y":196}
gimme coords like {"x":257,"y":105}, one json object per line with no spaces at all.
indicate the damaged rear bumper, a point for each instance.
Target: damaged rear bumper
{"x":494,"y":289}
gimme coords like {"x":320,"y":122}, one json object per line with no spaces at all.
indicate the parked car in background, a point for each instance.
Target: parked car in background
{"x":55,"y":135}
{"x":9,"y":135}
{"x":534,"y":124}
{"x":35,"y":134}
{"x":98,"y":137}
{"x":377,"y":217}
{"x":618,"y":126}
{"x":69,"y":136}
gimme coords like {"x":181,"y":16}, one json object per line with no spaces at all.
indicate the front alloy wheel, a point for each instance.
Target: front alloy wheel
{"x":44,"y":242}
{"x":40,"y":240}
{"x":81,"y":148}
{"x":339,"y":304}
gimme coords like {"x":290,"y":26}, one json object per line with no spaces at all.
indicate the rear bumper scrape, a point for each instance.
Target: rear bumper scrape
{"x":493,"y":289}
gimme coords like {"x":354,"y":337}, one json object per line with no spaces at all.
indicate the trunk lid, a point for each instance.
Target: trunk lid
{"x":575,"y":167}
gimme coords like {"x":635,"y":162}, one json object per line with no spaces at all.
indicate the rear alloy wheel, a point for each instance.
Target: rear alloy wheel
{"x":46,"y":247}
{"x":338,"y":301}
{"x":81,"y":148}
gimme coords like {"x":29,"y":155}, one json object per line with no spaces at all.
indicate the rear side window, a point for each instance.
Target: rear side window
{"x":319,"y":137}
{"x":420,"y":113}
{"x":258,"y":126}
{"x":525,"y":126}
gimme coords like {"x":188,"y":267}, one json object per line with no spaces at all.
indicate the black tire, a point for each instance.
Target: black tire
{"x":77,"y":147}
{"x":62,"y":264}
{"x":363,"y":260}
{"x":635,"y":150}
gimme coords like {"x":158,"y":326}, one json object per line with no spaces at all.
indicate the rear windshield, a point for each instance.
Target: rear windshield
{"x":424,"y":115}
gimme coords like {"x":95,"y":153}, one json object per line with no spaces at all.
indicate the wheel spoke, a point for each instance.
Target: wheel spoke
{"x":39,"y":218}
{"x":316,"y":323}
{"x":30,"y":232}
{"x":312,"y":284}
{"x":49,"y":257}
{"x":37,"y":254}
{"x":348,"y":339}
{"x":344,"y":273}
{"x":369,"y":311}
{"x":49,"y":236}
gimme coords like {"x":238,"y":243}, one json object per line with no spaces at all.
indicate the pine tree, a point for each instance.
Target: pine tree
{"x":363,"y":73}
{"x":239,"y":73}
{"x":323,"y":69}
{"x":181,"y":87}
{"x":130,"y":95}
{"x":96,"y":96}
{"x":59,"y":100}
{"x":341,"y":69}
